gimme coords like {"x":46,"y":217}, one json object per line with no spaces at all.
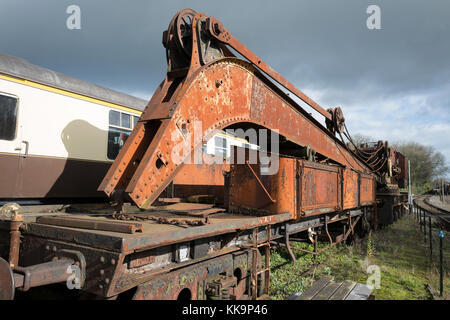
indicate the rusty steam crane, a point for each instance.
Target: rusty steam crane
{"x":323,"y":187}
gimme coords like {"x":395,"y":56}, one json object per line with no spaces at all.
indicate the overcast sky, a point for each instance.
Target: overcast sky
{"x":392,"y":84}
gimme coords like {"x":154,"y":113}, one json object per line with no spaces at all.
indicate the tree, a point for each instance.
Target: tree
{"x":360,"y":139}
{"x":427,"y":164}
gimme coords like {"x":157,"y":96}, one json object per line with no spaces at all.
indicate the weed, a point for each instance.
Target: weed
{"x":400,"y":253}
{"x":370,"y":245}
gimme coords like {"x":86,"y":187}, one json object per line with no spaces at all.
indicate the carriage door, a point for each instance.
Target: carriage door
{"x":11,"y":145}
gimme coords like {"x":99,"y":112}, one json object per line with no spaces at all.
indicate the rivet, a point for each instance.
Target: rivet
{"x":102,"y":259}
{"x":113,"y":261}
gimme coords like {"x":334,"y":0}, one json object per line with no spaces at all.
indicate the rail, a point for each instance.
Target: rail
{"x":439,"y":208}
{"x":423,"y":203}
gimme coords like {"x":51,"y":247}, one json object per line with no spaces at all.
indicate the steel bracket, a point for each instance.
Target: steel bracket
{"x":79,"y":259}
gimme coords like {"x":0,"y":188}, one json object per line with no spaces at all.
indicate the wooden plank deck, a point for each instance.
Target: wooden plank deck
{"x":327,"y":289}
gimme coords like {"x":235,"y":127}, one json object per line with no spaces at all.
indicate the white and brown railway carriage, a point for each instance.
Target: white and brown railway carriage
{"x":58,"y":134}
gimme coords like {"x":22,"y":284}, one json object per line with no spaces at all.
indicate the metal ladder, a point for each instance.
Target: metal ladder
{"x":266,"y":270}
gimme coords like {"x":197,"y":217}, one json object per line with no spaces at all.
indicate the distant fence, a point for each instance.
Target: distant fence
{"x":433,"y":237}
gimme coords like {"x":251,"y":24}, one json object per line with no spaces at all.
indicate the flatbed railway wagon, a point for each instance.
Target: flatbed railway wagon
{"x":322,"y":189}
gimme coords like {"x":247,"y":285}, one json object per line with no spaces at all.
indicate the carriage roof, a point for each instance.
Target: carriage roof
{"x":22,"y":69}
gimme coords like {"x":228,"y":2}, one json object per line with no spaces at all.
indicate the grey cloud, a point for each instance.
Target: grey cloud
{"x":317,"y":44}
{"x":321,"y":46}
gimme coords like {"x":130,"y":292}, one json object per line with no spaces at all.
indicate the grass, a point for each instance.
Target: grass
{"x":398,"y":250}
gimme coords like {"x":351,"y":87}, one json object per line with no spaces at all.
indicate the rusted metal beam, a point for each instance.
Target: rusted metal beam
{"x":75,"y":222}
{"x":218,"y":31}
{"x":199,"y":213}
{"x":288,"y":247}
{"x":14,"y":244}
{"x":43,"y":274}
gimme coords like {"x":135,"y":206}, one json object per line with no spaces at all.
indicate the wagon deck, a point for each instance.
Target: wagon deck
{"x":157,"y":227}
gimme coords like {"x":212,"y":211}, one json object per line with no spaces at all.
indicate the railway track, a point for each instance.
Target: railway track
{"x":443,"y":208}
{"x":424,"y":203}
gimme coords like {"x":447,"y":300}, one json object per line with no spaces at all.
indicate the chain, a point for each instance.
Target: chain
{"x":162,"y":220}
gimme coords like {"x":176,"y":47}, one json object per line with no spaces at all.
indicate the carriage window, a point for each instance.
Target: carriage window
{"x":126,"y":123}
{"x":8,"y":117}
{"x":135,"y":120}
{"x":114,"y":118}
{"x":120,"y":125}
{"x":116,"y":140}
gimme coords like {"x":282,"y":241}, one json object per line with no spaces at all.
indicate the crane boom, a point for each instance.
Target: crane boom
{"x":206,"y":83}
